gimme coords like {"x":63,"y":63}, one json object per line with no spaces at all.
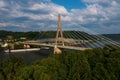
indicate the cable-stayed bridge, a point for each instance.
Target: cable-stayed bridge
{"x":72,"y":39}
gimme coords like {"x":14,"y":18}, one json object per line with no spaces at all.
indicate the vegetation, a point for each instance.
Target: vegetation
{"x":51,"y":34}
{"x":113,"y":36}
{"x":96,"y":64}
{"x":1,"y":49}
{"x":17,"y":35}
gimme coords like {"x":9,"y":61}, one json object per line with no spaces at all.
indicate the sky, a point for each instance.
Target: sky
{"x":100,"y":16}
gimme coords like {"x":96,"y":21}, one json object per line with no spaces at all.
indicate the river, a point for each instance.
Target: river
{"x":27,"y":56}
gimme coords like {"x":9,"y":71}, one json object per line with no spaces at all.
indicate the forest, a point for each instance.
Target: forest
{"x":95,"y":64}
{"x":50,"y":34}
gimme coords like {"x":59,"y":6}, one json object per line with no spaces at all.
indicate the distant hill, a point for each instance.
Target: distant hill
{"x":45,"y":34}
{"x":52,"y":34}
{"x":16,"y":35}
{"x":113,"y":36}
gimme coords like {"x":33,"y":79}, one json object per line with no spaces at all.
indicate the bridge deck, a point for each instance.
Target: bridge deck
{"x":66,"y":47}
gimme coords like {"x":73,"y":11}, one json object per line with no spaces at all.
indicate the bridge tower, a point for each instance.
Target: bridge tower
{"x":59,"y":32}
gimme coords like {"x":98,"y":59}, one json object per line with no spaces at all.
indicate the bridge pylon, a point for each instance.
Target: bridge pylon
{"x":59,"y":32}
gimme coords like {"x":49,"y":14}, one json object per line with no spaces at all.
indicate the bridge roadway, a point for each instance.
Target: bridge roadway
{"x":65,"y":47}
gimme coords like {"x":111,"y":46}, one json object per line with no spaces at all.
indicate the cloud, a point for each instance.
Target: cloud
{"x":2,"y":4}
{"x":40,"y":14}
{"x":32,"y":15}
{"x":4,"y":24}
{"x":96,"y":1}
{"x":96,"y":16}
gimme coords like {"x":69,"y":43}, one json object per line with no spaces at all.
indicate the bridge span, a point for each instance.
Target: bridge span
{"x":60,"y":46}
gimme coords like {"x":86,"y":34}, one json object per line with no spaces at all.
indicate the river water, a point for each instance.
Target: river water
{"x":31,"y":56}
{"x":27,"y":56}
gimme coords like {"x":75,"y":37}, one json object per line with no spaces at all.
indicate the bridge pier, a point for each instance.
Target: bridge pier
{"x":57,"y":50}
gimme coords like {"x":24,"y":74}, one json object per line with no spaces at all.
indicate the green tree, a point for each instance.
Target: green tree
{"x":100,"y":73}
{"x":25,"y":73}
{"x":11,"y":66}
{"x":55,"y":69}
{"x":81,"y":68}
{"x":1,"y":76}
